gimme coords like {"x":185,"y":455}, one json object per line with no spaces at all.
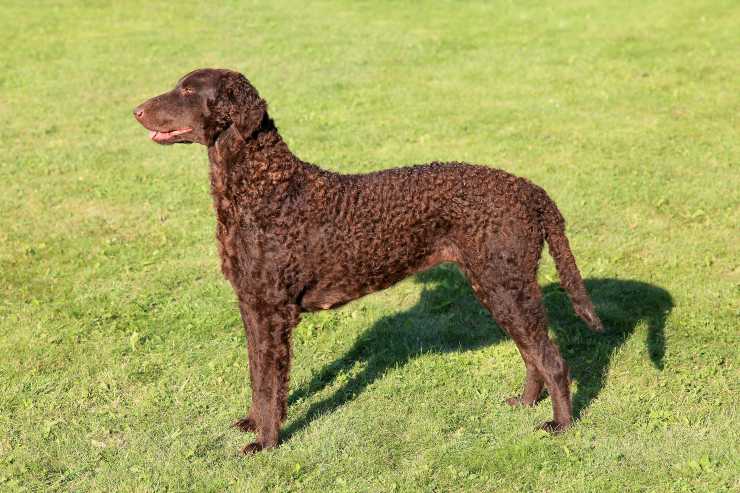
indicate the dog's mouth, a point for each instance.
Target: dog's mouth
{"x":163,"y":137}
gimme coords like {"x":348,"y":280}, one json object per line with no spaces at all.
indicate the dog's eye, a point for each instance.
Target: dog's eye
{"x":187,"y":91}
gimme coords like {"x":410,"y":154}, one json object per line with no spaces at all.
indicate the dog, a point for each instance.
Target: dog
{"x":296,"y":238}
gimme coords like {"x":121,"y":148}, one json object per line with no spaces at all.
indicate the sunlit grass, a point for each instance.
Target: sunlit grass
{"x":122,"y":358}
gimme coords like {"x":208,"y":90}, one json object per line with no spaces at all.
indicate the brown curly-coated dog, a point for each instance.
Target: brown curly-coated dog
{"x":295,"y":238}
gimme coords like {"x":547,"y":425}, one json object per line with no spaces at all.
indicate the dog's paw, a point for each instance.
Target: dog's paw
{"x":553,"y":427}
{"x":245,"y":424}
{"x":251,"y":448}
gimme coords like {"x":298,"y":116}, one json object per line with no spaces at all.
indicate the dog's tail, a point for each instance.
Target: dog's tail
{"x":553,"y":225}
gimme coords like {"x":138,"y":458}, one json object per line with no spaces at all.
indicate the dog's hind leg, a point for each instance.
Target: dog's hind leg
{"x":533,"y":386}
{"x":535,"y":317}
{"x":514,"y":299}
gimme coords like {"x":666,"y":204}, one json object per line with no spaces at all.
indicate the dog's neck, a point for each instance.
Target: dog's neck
{"x":262,"y":156}
{"x":264,"y":139}
{"x":258,"y":172}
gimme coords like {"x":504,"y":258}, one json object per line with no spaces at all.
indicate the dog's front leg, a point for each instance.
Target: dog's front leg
{"x":247,"y":424}
{"x":268,"y":330}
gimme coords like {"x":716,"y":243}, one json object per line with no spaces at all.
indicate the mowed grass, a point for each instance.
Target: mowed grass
{"x":122,"y":355}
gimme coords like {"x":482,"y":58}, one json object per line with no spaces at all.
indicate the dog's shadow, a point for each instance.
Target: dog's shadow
{"x":448,"y":318}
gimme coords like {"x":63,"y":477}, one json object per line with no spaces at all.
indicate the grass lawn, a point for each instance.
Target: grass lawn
{"x":122,"y":356}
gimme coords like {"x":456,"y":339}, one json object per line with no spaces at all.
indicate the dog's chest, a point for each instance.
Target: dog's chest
{"x":258,"y":244}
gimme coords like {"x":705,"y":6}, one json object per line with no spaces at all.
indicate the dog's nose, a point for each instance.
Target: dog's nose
{"x":138,"y":112}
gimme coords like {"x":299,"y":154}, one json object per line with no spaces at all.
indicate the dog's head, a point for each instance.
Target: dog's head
{"x":203,"y":104}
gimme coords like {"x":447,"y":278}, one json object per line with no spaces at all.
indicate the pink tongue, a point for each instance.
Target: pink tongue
{"x":154,"y":135}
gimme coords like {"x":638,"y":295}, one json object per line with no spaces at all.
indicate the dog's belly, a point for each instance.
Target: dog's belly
{"x":346,"y":283}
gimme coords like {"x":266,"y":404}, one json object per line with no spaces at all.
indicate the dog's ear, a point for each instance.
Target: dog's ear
{"x":244,"y":106}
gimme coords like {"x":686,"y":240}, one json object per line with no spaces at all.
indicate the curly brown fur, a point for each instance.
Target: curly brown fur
{"x":295,"y":238}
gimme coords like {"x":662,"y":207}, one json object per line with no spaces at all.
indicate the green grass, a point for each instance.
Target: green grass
{"x":122,"y":357}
